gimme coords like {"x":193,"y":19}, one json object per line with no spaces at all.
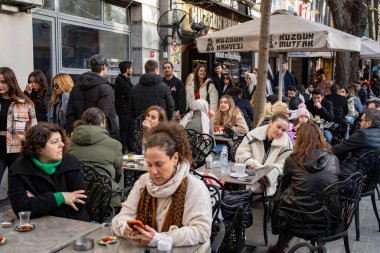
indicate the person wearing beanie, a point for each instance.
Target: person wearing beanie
{"x":302,"y":116}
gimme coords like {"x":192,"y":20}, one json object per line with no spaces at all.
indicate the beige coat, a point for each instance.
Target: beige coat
{"x":213,"y":93}
{"x":251,"y":152}
{"x":238,"y":124}
{"x":197,"y":214}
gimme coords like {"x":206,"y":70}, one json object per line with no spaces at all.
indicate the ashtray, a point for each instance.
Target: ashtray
{"x":25,"y":228}
{"x":84,"y":243}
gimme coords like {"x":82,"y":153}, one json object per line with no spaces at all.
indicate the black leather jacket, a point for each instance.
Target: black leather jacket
{"x":301,"y":187}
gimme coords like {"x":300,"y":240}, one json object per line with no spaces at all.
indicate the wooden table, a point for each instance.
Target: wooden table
{"x":51,"y":234}
{"x":125,"y":246}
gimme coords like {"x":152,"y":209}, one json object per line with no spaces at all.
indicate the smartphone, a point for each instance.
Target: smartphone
{"x":7,"y":223}
{"x":139,"y":223}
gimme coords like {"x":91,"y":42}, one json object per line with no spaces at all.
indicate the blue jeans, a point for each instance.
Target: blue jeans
{"x":328,"y":135}
{"x":350,"y":123}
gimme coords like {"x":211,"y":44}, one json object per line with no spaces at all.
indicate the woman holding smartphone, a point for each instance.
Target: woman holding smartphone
{"x":168,"y":200}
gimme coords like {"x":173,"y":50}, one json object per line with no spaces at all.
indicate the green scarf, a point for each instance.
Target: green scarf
{"x":48,"y":168}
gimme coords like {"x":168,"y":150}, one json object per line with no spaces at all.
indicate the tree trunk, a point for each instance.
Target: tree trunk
{"x":371,"y":19}
{"x":349,"y":16}
{"x":376,"y":23}
{"x":259,"y":96}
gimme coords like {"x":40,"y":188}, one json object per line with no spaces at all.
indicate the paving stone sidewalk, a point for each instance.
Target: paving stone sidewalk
{"x":369,"y":232}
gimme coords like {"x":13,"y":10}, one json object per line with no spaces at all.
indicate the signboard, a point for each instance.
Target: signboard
{"x":228,"y":55}
{"x":294,"y":40}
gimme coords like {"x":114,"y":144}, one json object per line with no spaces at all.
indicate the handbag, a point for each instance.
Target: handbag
{"x":228,"y":132}
{"x":237,"y":205}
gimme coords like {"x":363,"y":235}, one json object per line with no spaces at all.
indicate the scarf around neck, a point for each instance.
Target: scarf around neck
{"x":48,"y":168}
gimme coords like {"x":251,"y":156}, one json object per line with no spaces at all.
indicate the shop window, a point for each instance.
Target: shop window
{"x":90,"y":9}
{"x":115,"y":14}
{"x":49,"y":5}
{"x":80,"y":43}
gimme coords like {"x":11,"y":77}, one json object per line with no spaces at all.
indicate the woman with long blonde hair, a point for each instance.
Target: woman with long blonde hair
{"x":230,"y":116}
{"x":62,"y":85}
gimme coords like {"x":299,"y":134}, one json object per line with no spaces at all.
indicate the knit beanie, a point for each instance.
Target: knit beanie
{"x":302,"y":111}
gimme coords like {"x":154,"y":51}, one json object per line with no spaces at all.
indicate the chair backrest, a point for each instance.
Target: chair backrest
{"x":138,"y":134}
{"x":369,"y":165}
{"x":335,"y":215}
{"x":201,"y":146}
{"x":235,"y":146}
{"x":208,"y":178}
{"x":99,"y":193}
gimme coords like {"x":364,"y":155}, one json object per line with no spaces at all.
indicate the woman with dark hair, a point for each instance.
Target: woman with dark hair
{"x":202,"y":87}
{"x":227,"y":83}
{"x":168,"y":199}
{"x":36,"y":90}
{"x":17,"y":115}
{"x":152,"y":116}
{"x":307,"y":172}
{"x":91,"y":143}
{"x":46,"y":180}
{"x":62,"y":85}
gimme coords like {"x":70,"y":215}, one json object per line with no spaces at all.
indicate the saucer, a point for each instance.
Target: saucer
{"x":23,"y":229}
{"x":107,"y":239}
{"x":239,"y":176}
{"x":2,"y":241}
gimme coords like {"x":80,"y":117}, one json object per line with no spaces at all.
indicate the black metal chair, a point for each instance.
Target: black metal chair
{"x":99,"y":193}
{"x":201,"y":146}
{"x":235,"y":146}
{"x":138,"y":133}
{"x":331,"y":221}
{"x":369,"y":165}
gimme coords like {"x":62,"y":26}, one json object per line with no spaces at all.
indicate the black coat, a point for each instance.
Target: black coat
{"x":177,"y":89}
{"x":123,"y":88}
{"x":218,"y":83}
{"x":40,"y":105}
{"x":93,"y":90}
{"x":301,"y":187}
{"x":326,"y":112}
{"x":340,"y":107}
{"x":24,"y":176}
{"x":358,"y":144}
{"x":150,"y":90}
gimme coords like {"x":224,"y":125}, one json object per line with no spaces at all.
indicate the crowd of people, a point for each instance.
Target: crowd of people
{"x":47,"y":130}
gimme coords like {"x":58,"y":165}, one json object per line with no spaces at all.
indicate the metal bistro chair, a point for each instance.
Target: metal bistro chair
{"x":235,"y":146}
{"x":138,"y":134}
{"x":369,"y":165}
{"x":99,"y":188}
{"x":331,"y":221}
{"x":201,"y":146}
{"x":216,"y":193}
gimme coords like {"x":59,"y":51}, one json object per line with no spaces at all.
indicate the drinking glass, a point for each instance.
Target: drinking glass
{"x":113,"y":247}
{"x":107,"y":229}
{"x":24,"y":218}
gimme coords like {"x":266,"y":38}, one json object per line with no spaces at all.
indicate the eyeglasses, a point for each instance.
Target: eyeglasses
{"x":226,"y":78}
{"x":362,"y":120}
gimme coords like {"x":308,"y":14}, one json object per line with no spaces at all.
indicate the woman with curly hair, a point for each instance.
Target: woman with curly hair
{"x":168,"y":199}
{"x":62,"y":85}
{"x":36,"y":90}
{"x":46,"y":180}
{"x":229,"y":116}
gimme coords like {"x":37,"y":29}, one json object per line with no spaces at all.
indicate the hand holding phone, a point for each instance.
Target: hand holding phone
{"x":132,"y":223}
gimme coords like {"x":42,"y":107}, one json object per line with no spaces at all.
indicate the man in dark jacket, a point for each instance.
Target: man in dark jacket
{"x":288,"y":78}
{"x":123,"y":86}
{"x":322,"y":108}
{"x":340,"y":104}
{"x":294,"y":98}
{"x":93,"y":90}
{"x":177,"y":90}
{"x":218,"y":79}
{"x":150,"y":90}
{"x":367,"y":138}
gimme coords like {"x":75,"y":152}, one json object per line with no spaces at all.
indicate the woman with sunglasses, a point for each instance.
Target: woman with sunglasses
{"x":16,"y":116}
{"x":227,"y":83}
{"x":62,"y":85}
{"x":36,"y":90}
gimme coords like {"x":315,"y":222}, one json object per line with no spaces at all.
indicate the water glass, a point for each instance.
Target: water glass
{"x":107,"y":229}
{"x":225,"y":169}
{"x":24,"y":218}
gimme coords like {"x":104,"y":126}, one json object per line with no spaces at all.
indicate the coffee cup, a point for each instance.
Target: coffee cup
{"x":239,"y":169}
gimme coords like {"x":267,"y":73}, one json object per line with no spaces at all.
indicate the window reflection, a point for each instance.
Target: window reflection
{"x":80,"y":43}
{"x":115,"y":14}
{"x":49,"y":5}
{"x":90,"y":9}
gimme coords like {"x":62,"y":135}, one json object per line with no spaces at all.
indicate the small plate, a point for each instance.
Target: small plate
{"x":22,"y":229}
{"x":239,"y":176}
{"x":2,"y":241}
{"x":107,"y":239}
